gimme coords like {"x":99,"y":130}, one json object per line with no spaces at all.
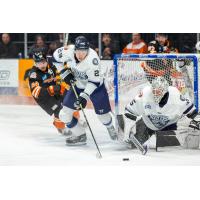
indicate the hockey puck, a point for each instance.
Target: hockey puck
{"x":125,"y":159}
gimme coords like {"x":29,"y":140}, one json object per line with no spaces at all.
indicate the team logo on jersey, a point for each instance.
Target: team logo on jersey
{"x":159,"y":121}
{"x":147,"y":106}
{"x":33,"y":75}
{"x":44,"y":77}
{"x":95,"y":61}
{"x":80,"y":75}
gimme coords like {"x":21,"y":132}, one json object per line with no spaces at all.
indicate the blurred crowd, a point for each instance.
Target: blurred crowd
{"x":12,"y":45}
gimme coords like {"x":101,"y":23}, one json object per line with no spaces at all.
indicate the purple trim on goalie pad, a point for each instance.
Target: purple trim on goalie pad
{"x":171,"y":127}
{"x":99,"y":99}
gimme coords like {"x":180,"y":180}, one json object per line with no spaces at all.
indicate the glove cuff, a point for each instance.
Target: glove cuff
{"x":85,"y":95}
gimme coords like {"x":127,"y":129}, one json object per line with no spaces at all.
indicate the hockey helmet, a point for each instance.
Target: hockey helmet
{"x":159,"y":88}
{"x":39,"y":56}
{"x":81,"y":43}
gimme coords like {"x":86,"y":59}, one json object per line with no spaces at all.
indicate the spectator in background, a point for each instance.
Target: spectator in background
{"x":39,"y":44}
{"x":137,"y":45}
{"x":53,"y":46}
{"x":161,"y":44}
{"x":7,"y":48}
{"x":109,"y":47}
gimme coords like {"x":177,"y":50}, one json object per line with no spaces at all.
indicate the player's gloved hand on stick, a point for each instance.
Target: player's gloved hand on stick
{"x":56,"y":90}
{"x":82,"y":100}
{"x":195,"y":124}
{"x":67,"y":76}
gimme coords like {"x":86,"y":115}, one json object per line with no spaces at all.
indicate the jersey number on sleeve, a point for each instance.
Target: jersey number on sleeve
{"x":96,"y":73}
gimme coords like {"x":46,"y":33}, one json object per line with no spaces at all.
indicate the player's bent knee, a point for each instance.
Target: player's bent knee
{"x":105,"y":119}
{"x":66,"y":114}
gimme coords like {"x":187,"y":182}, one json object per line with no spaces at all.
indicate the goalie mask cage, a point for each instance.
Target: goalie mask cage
{"x":133,"y":71}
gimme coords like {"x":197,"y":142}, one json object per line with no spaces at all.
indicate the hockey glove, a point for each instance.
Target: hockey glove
{"x":82,"y":100}
{"x":56,"y":90}
{"x":195,"y":124}
{"x":67,"y":76}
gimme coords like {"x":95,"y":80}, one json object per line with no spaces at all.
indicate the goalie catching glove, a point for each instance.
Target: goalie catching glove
{"x":81,"y":101}
{"x":67,"y":75}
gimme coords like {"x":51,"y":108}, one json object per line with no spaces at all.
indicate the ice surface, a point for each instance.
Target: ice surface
{"x":27,"y":137}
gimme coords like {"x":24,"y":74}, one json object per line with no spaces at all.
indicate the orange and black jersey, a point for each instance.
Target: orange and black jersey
{"x":39,"y":81}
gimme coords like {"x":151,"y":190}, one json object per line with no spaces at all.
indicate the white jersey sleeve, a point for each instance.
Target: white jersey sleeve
{"x":134,"y":107}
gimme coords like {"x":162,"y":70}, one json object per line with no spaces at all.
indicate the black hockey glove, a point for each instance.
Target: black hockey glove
{"x":67,"y":76}
{"x":195,"y":124}
{"x":80,"y":101}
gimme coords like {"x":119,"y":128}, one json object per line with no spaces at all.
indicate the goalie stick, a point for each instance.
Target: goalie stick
{"x":142,"y":148}
{"x":121,"y":126}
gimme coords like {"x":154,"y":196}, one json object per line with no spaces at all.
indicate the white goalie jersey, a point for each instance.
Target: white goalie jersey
{"x":156,"y":117}
{"x":87,"y":72}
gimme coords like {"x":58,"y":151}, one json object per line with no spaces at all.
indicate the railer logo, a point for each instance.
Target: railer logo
{"x":4,"y":74}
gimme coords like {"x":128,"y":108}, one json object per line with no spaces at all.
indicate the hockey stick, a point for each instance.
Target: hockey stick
{"x":143,"y":149}
{"x":140,"y":147}
{"x":76,"y":94}
{"x":66,"y":36}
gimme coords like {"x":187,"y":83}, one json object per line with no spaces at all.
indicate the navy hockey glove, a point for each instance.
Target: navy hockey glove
{"x":82,"y":100}
{"x":195,"y":124}
{"x":67,"y":76}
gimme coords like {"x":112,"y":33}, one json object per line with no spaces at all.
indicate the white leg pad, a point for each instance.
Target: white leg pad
{"x":191,"y":141}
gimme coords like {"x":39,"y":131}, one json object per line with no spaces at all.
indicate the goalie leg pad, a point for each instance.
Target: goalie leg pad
{"x":192,"y":140}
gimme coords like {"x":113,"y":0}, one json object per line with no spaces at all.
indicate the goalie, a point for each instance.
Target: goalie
{"x":160,"y":107}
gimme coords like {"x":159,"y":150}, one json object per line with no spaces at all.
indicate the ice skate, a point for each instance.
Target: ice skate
{"x":76,"y":140}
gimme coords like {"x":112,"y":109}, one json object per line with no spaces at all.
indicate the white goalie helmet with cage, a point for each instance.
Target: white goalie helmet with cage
{"x":159,"y":88}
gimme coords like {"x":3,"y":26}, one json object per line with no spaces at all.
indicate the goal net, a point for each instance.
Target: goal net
{"x":132,"y":72}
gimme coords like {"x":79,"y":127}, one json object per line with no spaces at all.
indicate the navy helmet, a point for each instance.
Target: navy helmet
{"x":39,"y":56}
{"x":81,"y":43}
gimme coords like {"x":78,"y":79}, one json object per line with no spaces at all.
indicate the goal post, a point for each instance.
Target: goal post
{"x":133,"y":71}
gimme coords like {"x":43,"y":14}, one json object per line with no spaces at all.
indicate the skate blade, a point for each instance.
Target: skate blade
{"x":76,"y":144}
